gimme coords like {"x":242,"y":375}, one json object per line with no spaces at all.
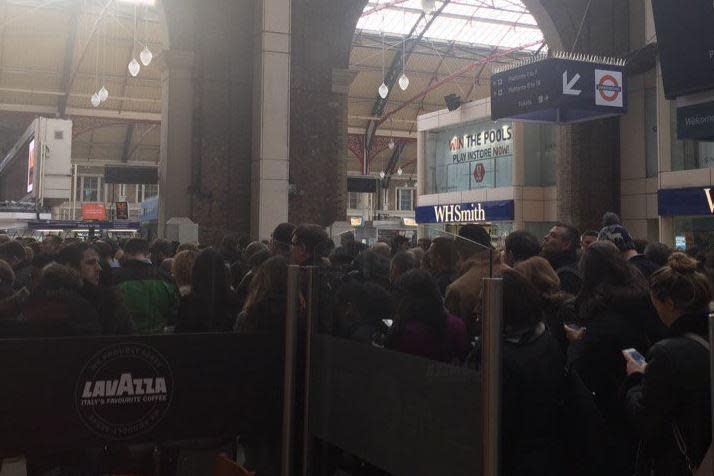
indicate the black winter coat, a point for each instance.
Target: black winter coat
{"x":674,"y":388}
{"x":616,"y":325}
{"x":533,"y":389}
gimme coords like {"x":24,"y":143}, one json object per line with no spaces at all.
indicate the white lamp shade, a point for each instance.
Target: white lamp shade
{"x":146,"y":56}
{"x":428,"y":5}
{"x":403,"y":82}
{"x":103,"y":94}
{"x":95,"y":100}
{"x":134,"y":67}
{"x":383,"y":91}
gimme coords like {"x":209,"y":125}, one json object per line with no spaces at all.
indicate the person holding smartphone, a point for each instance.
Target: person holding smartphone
{"x":668,"y":396}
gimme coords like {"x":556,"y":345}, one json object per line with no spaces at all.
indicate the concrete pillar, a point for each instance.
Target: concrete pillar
{"x":176,"y":136}
{"x":271,"y":117}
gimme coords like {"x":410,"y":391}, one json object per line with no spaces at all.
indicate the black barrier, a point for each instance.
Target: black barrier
{"x":69,"y":393}
{"x":404,"y":414}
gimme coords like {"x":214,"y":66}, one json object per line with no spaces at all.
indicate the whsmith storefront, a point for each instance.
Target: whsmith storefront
{"x":689,"y":214}
{"x":473,"y":170}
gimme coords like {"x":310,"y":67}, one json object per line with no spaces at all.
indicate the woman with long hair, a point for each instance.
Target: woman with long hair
{"x":210,"y":306}
{"x":669,"y":395}
{"x":556,"y":308}
{"x":613,"y":305}
{"x":265,"y":306}
{"x":423,"y":326}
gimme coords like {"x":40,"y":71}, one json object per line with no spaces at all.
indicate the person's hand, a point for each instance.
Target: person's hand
{"x":633,"y":366}
{"x":574,"y":335}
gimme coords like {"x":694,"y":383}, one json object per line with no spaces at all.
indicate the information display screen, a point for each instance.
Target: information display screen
{"x":685,"y":41}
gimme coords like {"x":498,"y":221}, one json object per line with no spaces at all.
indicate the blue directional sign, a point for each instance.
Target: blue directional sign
{"x":560,"y":90}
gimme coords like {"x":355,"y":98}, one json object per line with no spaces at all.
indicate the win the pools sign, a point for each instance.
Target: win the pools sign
{"x":471,"y":212}
{"x":482,"y":144}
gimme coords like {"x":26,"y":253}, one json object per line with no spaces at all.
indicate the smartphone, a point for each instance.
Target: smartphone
{"x":388,"y":322}
{"x":636,"y":356}
{"x":574,"y":326}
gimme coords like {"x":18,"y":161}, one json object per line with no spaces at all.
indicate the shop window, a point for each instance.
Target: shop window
{"x":469,"y":156}
{"x":651,"y":160}
{"x":359,"y":201}
{"x":689,"y":154}
{"x":88,"y":189}
{"x":405,"y":199}
{"x":693,"y":232}
{"x":149,"y":191}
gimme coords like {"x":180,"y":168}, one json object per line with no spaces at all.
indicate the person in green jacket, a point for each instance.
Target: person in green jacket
{"x":152,"y":301}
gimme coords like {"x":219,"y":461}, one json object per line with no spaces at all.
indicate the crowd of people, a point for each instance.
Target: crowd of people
{"x":605,"y":356}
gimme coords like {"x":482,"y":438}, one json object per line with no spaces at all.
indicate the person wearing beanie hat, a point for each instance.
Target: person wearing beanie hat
{"x":620,"y":237}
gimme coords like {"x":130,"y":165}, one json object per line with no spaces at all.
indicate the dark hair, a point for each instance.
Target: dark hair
{"x":640,"y":245}
{"x":572,"y":236}
{"x":103,"y":249}
{"x":282,"y":234}
{"x":55,"y":238}
{"x":160,"y":250}
{"x":71,"y":255}
{"x":418,"y":299}
{"x":444,"y":250}
{"x":210,"y":283}
{"x":689,"y":290}
{"x":608,"y":281}
{"x":208,"y":277}
{"x":313,"y":238}
{"x":12,"y":249}
{"x":522,"y":245}
{"x":522,"y":303}
{"x":135,"y":246}
{"x":476,"y":234}
{"x":592,"y":233}
{"x":658,"y":253}
{"x":404,"y":261}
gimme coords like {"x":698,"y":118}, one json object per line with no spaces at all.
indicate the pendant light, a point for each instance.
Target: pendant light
{"x":146,"y":55}
{"x":428,"y":6}
{"x":103,"y":93}
{"x":400,"y":171}
{"x":134,"y":66}
{"x":382,"y":174}
{"x":391,"y":144}
{"x":403,"y":79}
{"x":383,"y":88}
{"x":95,"y":100}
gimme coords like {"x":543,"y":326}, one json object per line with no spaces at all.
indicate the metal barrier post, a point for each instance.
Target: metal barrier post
{"x":291,"y":319}
{"x":711,"y":364}
{"x":310,"y":325}
{"x":491,"y":359}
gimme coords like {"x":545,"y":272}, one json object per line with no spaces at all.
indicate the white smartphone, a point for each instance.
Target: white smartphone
{"x":636,"y":356}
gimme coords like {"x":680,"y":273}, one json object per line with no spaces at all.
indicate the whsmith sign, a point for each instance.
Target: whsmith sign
{"x":471,"y":212}
{"x":695,"y":201}
{"x":560,"y":89}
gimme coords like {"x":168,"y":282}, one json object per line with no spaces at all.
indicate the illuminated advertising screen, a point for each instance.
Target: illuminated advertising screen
{"x":31,"y":161}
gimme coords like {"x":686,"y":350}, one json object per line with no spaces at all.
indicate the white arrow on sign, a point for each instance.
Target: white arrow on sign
{"x":568,"y":85}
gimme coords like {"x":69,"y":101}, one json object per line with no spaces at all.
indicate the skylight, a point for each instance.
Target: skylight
{"x":488,"y":23}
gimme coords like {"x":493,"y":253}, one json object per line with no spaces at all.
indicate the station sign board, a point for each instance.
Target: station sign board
{"x":561,"y":89}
